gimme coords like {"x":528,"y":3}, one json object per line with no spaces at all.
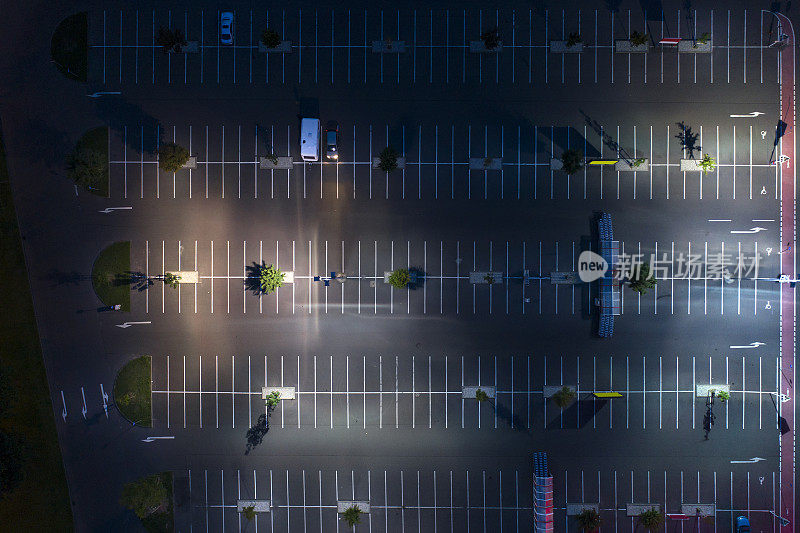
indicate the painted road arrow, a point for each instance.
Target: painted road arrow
{"x":110,"y":209}
{"x":151,"y":439}
{"x":748,"y":461}
{"x":129,"y":324}
{"x":749,"y":346}
{"x":751,"y":230}
{"x":64,"y":403}
{"x":105,"y":399}
{"x":98,"y":94}
{"x":83,"y":409}
{"x":752,"y":114}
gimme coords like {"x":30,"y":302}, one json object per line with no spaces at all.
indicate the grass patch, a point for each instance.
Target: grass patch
{"x":132,"y":391}
{"x":87,"y":165}
{"x":110,"y":275}
{"x":41,"y":500}
{"x":69,"y":47}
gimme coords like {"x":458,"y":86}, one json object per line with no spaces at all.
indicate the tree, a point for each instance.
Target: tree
{"x":572,"y":161}
{"x":723,"y":395}
{"x":589,"y":520}
{"x":651,"y":519}
{"x":564,"y":397}
{"x":388,"y":159}
{"x":641,"y":279}
{"x":481,"y":395}
{"x":707,"y":164}
{"x":270,"y":38}
{"x":638,"y":38}
{"x":573,"y":38}
{"x":249,"y":512}
{"x":352,"y":515}
{"x":400,"y":278}
{"x":86,"y":166}
{"x":491,"y":38}
{"x":704,"y":38}
{"x":489,"y":278}
{"x":144,"y":496}
{"x":171,"y":157}
{"x":270,"y":279}
{"x":170,"y":40}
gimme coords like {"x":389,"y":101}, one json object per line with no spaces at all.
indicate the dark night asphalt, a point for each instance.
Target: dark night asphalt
{"x":664,"y":342}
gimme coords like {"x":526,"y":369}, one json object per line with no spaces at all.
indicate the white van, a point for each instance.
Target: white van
{"x":309,"y":139}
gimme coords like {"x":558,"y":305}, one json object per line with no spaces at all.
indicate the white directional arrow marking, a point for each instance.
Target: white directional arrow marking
{"x":749,"y":346}
{"x":751,"y":230}
{"x":110,"y":209}
{"x":64,"y":403}
{"x":83,"y":409}
{"x":129,"y":324}
{"x":752,"y":114}
{"x":105,"y":399}
{"x":151,"y":439}
{"x":751,"y":460}
{"x":101,"y":93}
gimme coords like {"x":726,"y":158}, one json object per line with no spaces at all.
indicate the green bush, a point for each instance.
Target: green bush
{"x":707,"y":164}
{"x":171,"y":157}
{"x":400,"y":278}
{"x":572,"y":161}
{"x":481,"y":395}
{"x":704,"y":38}
{"x":642,"y":280}
{"x":87,"y":163}
{"x":723,"y":395}
{"x":573,"y":38}
{"x":651,"y":519}
{"x":388,"y":159}
{"x":270,"y":38}
{"x":171,"y":279}
{"x":270,"y":279}
{"x":145,"y":496}
{"x":170,"y":40}
{"x":564,"y":397}
{"x":638,"y":39}
{"x":491,"y":38}
{"x":249,"y":512}
{"x":352,"y":515}
{"x":272,"y":399}
{"x":589,"y":520}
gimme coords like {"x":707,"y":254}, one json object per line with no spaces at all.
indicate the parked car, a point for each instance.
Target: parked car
{"x":742,"y":525}
{"x":332,"y":140}
{"x":226,"y":27}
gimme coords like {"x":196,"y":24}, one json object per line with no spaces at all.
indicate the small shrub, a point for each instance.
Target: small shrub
{"x":573,"y":38}
{"x":489,"y":278}
{"x":572,"y":161}
{"x":481,"y":395}
{"x":171,"y":157}
{"x":171,"y":279}
{"x":170,"y":40}
{"x":707,"y":164}
{"x":589,"y":520}
{"x":271,"y":157}
{"x":273,"y":398}
{"x":638,"y":162}
{"x":352,"y":515}
{"x":704,"y":38}
{"x":638,"y":38}
{"x":270,"y":279}
{"x":491,"y":38}
{"x":723,"y":395}
{"x":651,"y":519}
{"x":642,"y":280}
{"x":487,"y":162}
{"x":86,"y":166}
{"x":400,"y":278}
{"x":564,"y":397}
{"x":388,"y":159}
{"x":270,"y":38}
{"x":249,"y":512}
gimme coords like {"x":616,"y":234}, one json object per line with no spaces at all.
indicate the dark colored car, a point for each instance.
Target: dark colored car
{"x":742,"y":525}
{"x":332,"y":140}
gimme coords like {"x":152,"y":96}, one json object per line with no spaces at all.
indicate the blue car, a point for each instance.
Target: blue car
{"x":742,"y":525}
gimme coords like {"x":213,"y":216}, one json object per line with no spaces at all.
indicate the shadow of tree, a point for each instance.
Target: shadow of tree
{"x":141,"y":130}
{"x":65,"y":278}
{"x":252,"y":278}
{"x":579,"y":413}
{"x":688,"y":139}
